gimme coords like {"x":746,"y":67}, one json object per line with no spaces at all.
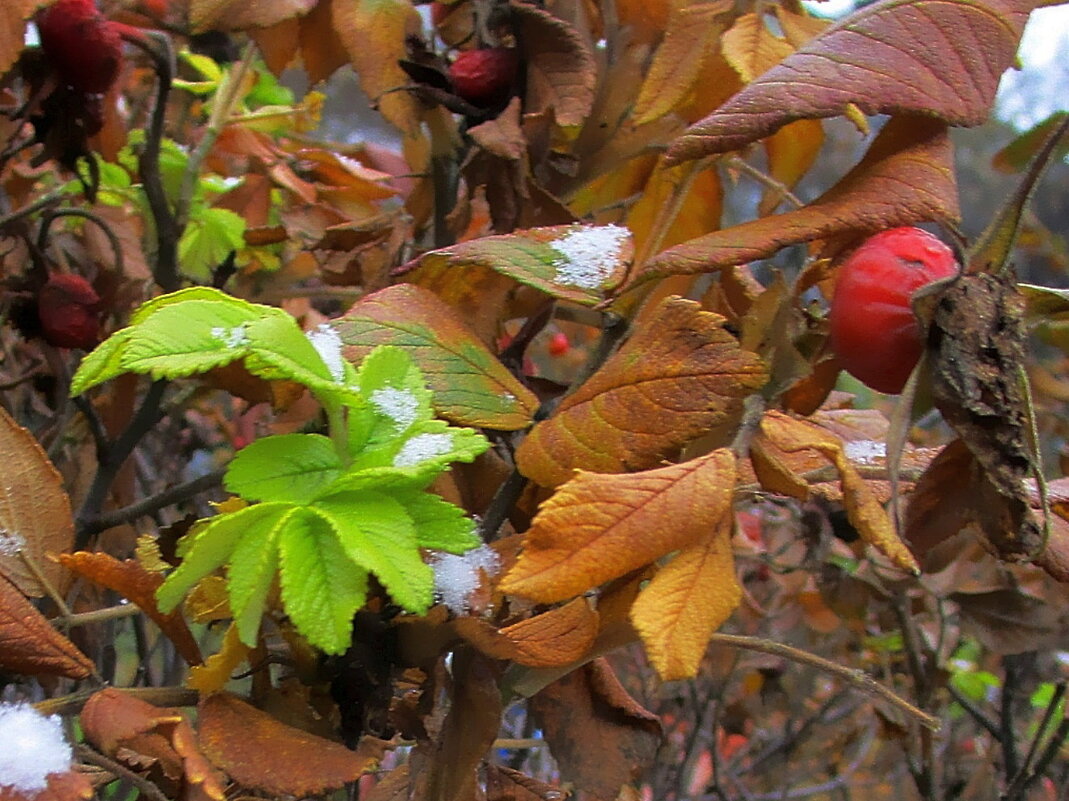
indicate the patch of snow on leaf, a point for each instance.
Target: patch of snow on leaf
{"x":456,"y":577}
{"x":588,"y":255}
{"x":400,"y":405}
{"x":865,"y":451}
{"x":231,"y":337}
{"x":33,"y":747}
{"x":421,"y":448}
{"x":327,"y":343}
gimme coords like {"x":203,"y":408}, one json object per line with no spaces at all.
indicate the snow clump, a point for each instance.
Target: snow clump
{"x":34,"y":747}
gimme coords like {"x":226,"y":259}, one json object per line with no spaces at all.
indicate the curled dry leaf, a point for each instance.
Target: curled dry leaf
{"x":599,"y":527}
{"x":35,"y":512}
{"x":136,"y":584}
{"x":558,"y":637}
{"x":862,"y":506}
{"x":28,"y":643}
{"x":953,"y":51}
{"x":150,"y":739}
{"x":259,"y":752}
{"x":906,"y":176}
{"x":601,"y":738}
{"x":679,"y":376}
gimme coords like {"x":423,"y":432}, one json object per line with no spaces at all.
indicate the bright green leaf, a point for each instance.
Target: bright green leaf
{"x":286,"y":467}
{"x":212,"y":233}
{"x":439,"y":524}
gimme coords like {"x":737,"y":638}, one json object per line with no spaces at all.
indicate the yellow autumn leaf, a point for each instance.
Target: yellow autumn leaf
{"x":751,"y":48}
{"x":599,"y":527}
{"x":688,"y":600}
{"x":214,"y":674}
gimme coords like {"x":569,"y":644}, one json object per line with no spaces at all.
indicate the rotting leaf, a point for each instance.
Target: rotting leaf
{"x":35,"y":512}
{"x":976,"y":340}
{"x":28,"y":643}
{"x":677,"y":377}
{"x":599,"y":527}
{"x":862,"y":507}
{"x":601,"y":738}
{"x":471,"y":387}
{"x":687,"y":600}
{"x":135,"y":583}
{"x":1008,"y":621}
{"x":906,"y":176}
{"x":257,"y":751}
{"x":954,"y":52}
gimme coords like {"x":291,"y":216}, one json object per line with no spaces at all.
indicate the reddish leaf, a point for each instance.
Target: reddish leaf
{"x":906,"y":176}
{"x":29,"y":644}
{"x":599,"y":736}
{"x":258,"y":751}
{"x":555,"y":638}
{"x":674,"y":379}
{"x":35,"y":513}
{"x":939,"y":58}
{"x":133,"y":582}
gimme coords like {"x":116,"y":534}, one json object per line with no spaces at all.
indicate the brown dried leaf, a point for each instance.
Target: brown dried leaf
{"x":862,"y":506}
{"x":259,"y":752}
{"x":601,"y":738}
{"x":907,"y":175}
{"x":1010,"y":622}
{"x":135,"y":583}
{"x":240,"y":15}
{"x":600,"y":527}
{"x":938,"y":58}
{"x":506,"y":784}
{"x":28,"y":643}
{"x":561,"y":70}
{"x":550,"y":639}
{"x":35,"y":512}
{"x":674,"y":379}
{"x":322,"y":51}
{"x":978,"y":386}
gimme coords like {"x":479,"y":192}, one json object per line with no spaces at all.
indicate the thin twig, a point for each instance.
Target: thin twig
{"x":1029,"y":768}
{"x":148,"y":506}
{"x":85,"y":214}
{"x":147,"y":788}
{"x":764,"y":179}
{"x":97,"y":616}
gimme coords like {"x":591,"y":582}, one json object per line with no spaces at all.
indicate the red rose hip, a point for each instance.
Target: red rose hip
{"x":874,"y":333}
{"x":484,"y":77}
{"x":69,"y":310}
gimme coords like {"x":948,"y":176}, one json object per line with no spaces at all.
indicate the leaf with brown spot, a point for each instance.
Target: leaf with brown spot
{"x":35,"y":512}
{"x":938,"y":58}
{"x":561,"y":70}
{"x":471,"y":386}
{"x":906,"y":176}
{"x":863,"y":509}
{"x":259,"y":752}
{"x":597,"y":527}
{"x":135,"y":583}
{"x":674,"y":379}
{"x":689,"y":599}
{"x":28,"y":643}
{"x":601,"y":738}
{"x":550,"y":639}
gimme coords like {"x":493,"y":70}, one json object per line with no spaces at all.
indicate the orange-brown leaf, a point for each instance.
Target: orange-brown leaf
{"x":674,"y":379}
{"x":214,"y":674}
{"x":35,"y":513}
{"x":791,"y":151}
{"x":258,"y":751}
{"x":862,"y":506}
{"x":599,"y":527}
{"x":906,"y":176}
{"x":688,"y":600}
{"x":751,"y":48}
{"x":938,"y":58}
{"x":552,"y":639}
{"x":240,"y":15}
{"x":29,"y":644}
{"x":136,"y":584}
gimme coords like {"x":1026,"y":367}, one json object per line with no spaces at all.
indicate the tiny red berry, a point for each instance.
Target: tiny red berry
{"x":69,"y":310}
{"x":874,"y":333}
{"x":558,"y":344}
{"x":484,"y":77}
{"x":81,"y":44}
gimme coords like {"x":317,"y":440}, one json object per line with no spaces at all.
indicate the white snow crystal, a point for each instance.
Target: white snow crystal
{"x":327,"y":343}
{"x":421,"y":448}
{"x":456,"y":577}
{"x":231,"y":337}
{"x":400,"y":405}
{"x":864,"y":451}
{"x":11,"y":542}
{"x":588,"y":255}
{"x":33,"y":748}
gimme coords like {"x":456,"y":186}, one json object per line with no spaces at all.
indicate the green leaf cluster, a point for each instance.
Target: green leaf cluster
{"x":325,"y":512}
